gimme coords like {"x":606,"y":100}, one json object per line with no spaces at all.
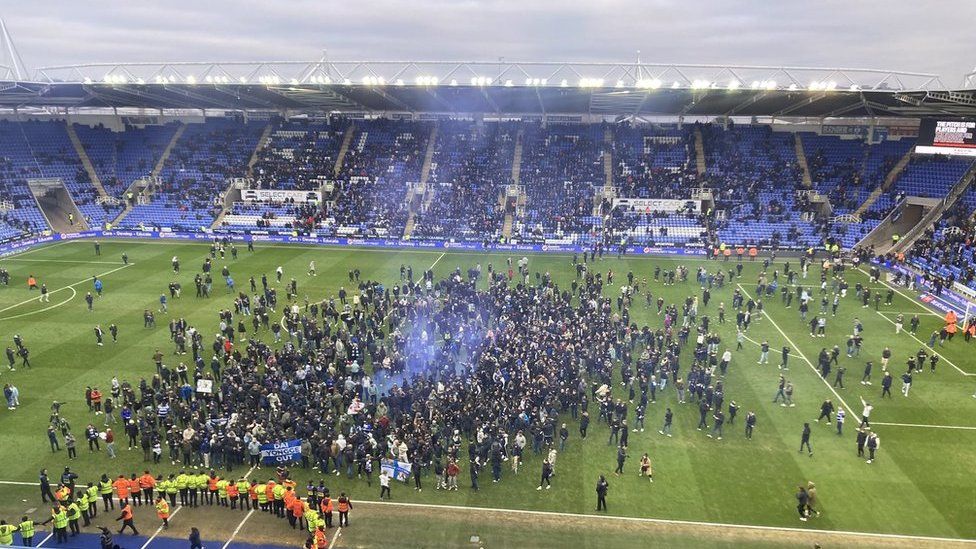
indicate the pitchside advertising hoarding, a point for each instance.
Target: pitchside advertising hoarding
{"x":947,"y":136}
{"x":18,"y":246}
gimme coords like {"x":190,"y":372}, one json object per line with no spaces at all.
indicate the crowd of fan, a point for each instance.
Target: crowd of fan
{"x":471,"y":166}
{"x":385,"y":157}
{"x":752,"y":172}
{"x":300,"y":154}
{"x":414,"y":371}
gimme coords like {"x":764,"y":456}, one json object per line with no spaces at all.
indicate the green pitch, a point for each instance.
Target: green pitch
{"x":920,"y":484}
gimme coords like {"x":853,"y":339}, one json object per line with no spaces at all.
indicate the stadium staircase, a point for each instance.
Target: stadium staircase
{"x":700,"y":151}
{"x":428,"y":193}
{"x":85,"y":160}
{"x":801,"y":159}
{"x":262,"y":143}
{"x":889,"y":181}
{"x":56,"y":205}
{"x":346,"y":142}
{"x":516,"y":177}
{"x":157,"y":169}
{"x":607,"y":174}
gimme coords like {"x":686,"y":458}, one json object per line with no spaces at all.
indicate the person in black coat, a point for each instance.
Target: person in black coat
{"x":601,"y":493}
{"x":805,"y":439}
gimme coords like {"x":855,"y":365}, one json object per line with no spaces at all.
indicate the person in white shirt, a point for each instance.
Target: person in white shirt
{"x":866,"y":413}
{"x":385,"y":485}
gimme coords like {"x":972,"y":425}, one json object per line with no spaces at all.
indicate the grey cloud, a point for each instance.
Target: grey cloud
{"x":895,"y":34}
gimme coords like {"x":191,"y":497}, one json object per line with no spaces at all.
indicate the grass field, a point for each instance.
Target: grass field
{"x":920,"y":485}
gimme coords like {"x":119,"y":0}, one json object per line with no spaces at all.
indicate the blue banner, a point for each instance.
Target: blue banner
{"x":398,"y":470}
{"x":281,"y":452}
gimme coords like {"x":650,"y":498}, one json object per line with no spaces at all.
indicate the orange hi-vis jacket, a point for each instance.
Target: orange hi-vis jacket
{"x":121,"y":487}
{"x":134,"y":486}
{"x":147,"y":481}
{"x":320,"y":541}
{"x":212,"y":483}
{"x":232,"y":491}
{"x":326,"y":505}
{"x":343,"y":505}
{"x":269,"y":490}
{"x":297,"y":507}
{"x":253,"y":492}
{"x":127,"y":512}
{"x":162,"y":509}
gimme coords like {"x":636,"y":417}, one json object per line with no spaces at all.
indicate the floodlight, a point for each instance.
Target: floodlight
{"x":855,"y":87}
{"x":242,"y":80}
{"x":508,"y":84}
{"x":453,"y":82}
{"x":771,"y":85}
{"x":734,"y":85}
{"x":755,"y":84}
{"x":88,"y":80}
{"x":191,"y":79}
{"x":792,"y":87}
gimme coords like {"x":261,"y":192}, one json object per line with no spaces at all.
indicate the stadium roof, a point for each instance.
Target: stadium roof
{"x":492,"y":88}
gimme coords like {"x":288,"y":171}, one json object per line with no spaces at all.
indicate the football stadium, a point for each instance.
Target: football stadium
{"x":499,"y":303}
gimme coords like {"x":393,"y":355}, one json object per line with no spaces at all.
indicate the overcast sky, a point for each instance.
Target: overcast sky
{"x":935,"y":37}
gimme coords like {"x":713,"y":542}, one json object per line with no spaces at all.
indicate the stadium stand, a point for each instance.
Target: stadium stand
{"x":561,"y":163}
{"x":300,"y":155}
{"x":37,"y":149}
{"x":949,"y":249}
{"x":566,"y":179}
{"x":472,"y":164}
{"x":386,"y":157}
{"x":196,"y":173}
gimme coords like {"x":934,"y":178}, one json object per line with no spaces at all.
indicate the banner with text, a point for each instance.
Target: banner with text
{"x":657,"y":204}
{"x":280,"y":195}
{"x":281,"y":452}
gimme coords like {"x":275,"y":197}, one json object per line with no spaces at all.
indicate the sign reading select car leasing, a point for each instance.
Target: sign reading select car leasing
{"x":280,"y":195}
{"x":657,"y":204}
